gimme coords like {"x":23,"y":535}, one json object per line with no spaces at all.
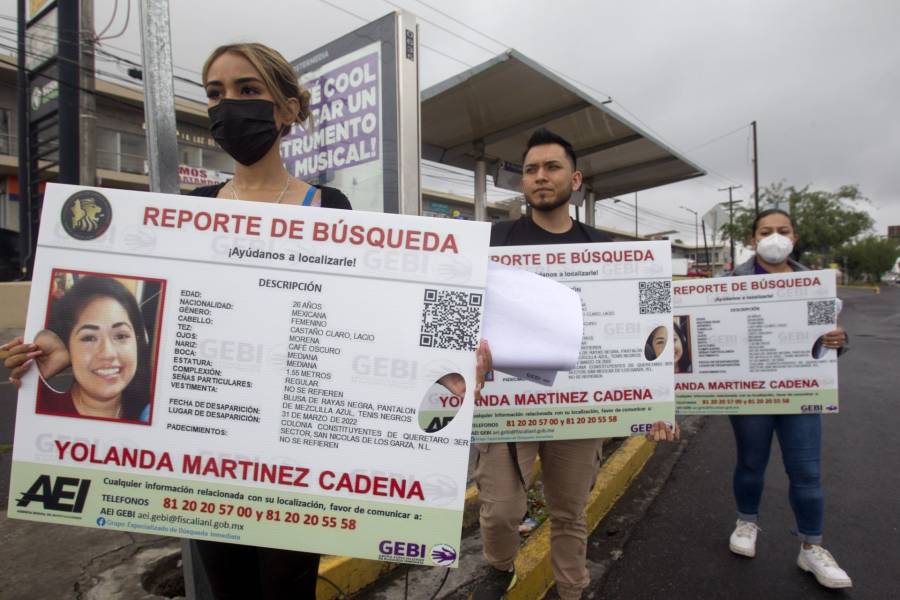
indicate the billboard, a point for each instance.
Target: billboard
{"x":363,"y":135}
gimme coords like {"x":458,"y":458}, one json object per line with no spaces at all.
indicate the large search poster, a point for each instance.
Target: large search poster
{"x":248,"y":372}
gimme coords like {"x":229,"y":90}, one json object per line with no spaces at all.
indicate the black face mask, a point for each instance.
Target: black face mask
{"x":245,"y":129}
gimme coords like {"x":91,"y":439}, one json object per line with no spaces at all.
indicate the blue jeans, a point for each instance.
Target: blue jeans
{"x":800,"y":437}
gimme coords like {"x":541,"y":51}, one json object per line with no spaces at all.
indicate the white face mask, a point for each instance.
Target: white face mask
{"x":774,"y":248}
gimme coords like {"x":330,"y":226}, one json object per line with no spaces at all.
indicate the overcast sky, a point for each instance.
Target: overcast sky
{"x":821,"y":77}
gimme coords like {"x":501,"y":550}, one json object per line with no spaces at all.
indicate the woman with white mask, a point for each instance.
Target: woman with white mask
{"x":799,"y":435}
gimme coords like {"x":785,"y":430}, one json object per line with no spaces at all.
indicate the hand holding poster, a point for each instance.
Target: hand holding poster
{"x":248,"y":372}
{"x":623,"y":380}
{"x":752,"y":344}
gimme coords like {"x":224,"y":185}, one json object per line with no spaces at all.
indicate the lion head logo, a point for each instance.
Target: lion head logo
{"x":86,"y":215}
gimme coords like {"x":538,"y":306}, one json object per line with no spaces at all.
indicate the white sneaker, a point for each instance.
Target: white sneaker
{"x":743,"y":539}
{"x":818,"y":561}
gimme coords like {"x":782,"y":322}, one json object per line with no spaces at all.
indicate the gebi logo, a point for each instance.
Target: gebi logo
{"x":66,"y":494}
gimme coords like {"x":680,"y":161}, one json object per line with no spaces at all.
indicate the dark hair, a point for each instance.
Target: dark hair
{"x":276,"y":72}
{"x":66,"y":311}
{"x":684,"y":363}
{"x":649,"y":350}
{"x":770,"y":211}
{"x":542,"y":137}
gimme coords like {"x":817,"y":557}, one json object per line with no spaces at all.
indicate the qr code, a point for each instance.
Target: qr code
{"x":821,"y":312}
{"x":450,"y":319}
{"x":655,"y":297}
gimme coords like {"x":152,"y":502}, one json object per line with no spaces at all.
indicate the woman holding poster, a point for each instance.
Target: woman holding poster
{"x":798,"y":434}
{"x":255,"y":99}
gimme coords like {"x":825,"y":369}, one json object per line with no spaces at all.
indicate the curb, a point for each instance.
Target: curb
{"x":535,"y":576}
{"x":354,"y":574}
{"x":350,"y":575}
{"x":533,"y":570}
{"x":870,"y":287}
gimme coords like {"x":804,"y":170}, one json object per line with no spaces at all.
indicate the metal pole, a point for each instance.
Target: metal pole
{"x":409,"y":125}
{"x":590,"y":205}
{"x":635,"y":216}
{"x":706,"y":246}
{"x":730,"y":189}
{"x":69,"y":94}
{"x":24,"y":154}
{"x":87,"y":131}
{"x":731,"y":225}
{"x":162,"y":156}
{"x":696,"y":233}
{"x":159,"y":96}
{"x":755,"y":172}
{"x":480,"y":190}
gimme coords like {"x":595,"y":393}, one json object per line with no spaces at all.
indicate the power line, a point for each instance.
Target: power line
{"x":49,"y":37}
{"x":99,"y":37}
{"x":642,"y":218}
{"x":111,"y":19}
{"x":75,"y":86}
{"x":9,"y":33}
{"x":107,"y":74}
{"x":489,"y":37}
{"x":466,"y":25}
{"x":139,"y":65}
{"x":442,"y":28}
{"x":362,"y":18}
{"x":718,"y":137}
{"x":566,"y":76}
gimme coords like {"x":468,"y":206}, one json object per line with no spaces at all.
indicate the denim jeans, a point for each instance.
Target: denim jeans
{"x":800,"y":437}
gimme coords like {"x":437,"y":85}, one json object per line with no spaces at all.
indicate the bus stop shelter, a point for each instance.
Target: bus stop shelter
{"x":481,"y":119}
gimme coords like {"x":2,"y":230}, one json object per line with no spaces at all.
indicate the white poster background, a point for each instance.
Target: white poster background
{"x":613,"y":390}
{"x":380,"y":294}
{"x":751,"y":344}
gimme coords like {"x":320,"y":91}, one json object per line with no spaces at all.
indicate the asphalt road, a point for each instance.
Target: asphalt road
{"x":668,"y":537}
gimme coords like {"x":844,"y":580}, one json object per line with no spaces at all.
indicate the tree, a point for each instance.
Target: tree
{"x":823,"y":220}
{"x":870,"y":256}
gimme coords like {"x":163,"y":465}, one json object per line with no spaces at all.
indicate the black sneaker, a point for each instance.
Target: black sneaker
{"x":494,"y":585}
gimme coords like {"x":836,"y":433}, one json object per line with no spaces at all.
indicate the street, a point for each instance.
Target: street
{"x":678,"y":547}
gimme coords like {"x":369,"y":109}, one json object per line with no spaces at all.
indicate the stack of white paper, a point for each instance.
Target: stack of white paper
{"x":533,"y":324}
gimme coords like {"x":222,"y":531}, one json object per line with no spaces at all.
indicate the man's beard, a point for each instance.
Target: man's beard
{"x":552,"y":206}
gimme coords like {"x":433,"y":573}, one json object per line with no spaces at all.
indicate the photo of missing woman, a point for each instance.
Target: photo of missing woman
{"x":656,"y":343}
{"x":100,"y":346}
{"x":681,"y":335}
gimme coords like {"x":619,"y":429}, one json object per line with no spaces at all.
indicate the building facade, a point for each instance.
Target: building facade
{"x":121,"y":153}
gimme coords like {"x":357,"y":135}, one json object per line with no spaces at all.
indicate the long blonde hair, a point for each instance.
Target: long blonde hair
{"x":276,"y":72}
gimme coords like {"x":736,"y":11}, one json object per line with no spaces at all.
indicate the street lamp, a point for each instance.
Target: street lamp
{"x":696,"y":230}
{"x":635,"y":207}
{"x":730,"y":205}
